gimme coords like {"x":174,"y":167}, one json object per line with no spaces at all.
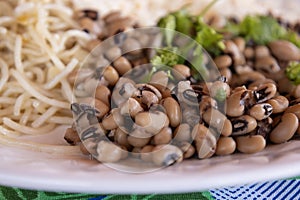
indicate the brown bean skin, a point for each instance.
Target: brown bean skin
{"x":120,"y":137}
{"x":163,"y":137}
{"x":137,"y":141}
{"x":113,"y":120}
{"x":146,"y":153}
{"x":295,"y":109}
{"x":111,"y":75}
{"x":99,"y":105}
{"x":71,"y":136}
{"x":249,"y":52}
{"x":261,"y":51}
{"x":103,"y":94}
{"x":108,"y":152}
{"x":240,"y":43}
{"x":223,"y":61}
{"x":235,"y":106}
{"x":250,"y":144}
{"x":187,"y":149}
{"x":265,"y":92}
{"x":181,"y":71}
{"x":152,"y":122}
{"x":285,"y":130}
{"x":122,"y":65}
{"x":173,"y":111}
{"x":218,"y":120}
{"x":165,"y":155}
{"x":205,"y":141}
{"x":284,"y":50}
{"x":225,"y":146}
{"x":183,"y":133}
{"x":279,"y":104}
{"x":159,"y":78}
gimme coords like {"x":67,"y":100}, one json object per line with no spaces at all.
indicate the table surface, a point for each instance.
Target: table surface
{"x":279,"y":189}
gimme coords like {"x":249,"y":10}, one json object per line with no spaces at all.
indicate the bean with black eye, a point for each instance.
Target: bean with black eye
{"x":261,"y":111}
{"x":71,"y":136}
{"x":152,"y":122}
{"x":232,"y":48}
{"x":122,"y":65}
{"x":131,"y":107}
{"x":205,"y":141}
{"x":124,"y":89}
{"x":165,"y":155}
{"x":225,"y":146}
{"x":121,"y":24}
{"x":236,"y":103}
{"x":227,"y":73}
{"x":101,"y":107}
{"x":286,"y":128}
{"x":250,"y":144}
{"x":264,"y":127}
{"x":243,"y":125}
{"x":265,"y":92}
{"x":279,"y":104}
{"x":206,"y":103}
{"x":89,"y":26}
{"x":173,"y":111}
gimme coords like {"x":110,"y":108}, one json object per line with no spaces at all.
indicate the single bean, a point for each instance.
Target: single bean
{"x":173,"y":111}
{"x":146,"y":153}
{"x":113,"y":53}
{"x":101,"y":107}
{"x":225,"y":146}
{"x":89,"y":25}
{"x":108,"y":152}
{"x":223,"y":61}
{"x":152,"y":122}
{"x":103,"y":94}
{"x":131,"y":107}
{"x":261,"y":111}
{"x":232,"y":48}
{"x":240,"y":43}
{"x":236,"y":103}
{"x":261,"y":51}
{"x":165,"y":155}
{"x":183,"y":133}
{"x":205,"y":141}
{"x":163,"y":137}
{"x":187,"y":149}
{"x":120,"y":137}
{"x":112,"y":16}
{"x":250,"y":144}
{"x":131,"y":46}
{"x":285,"y":129}
{"x":122,"y":65}
{"x":138,"y":141}
{"x":284,"y":50}
{"x":249,"y":52}
{"x":279,"y":104}
{"x":243,"y":125}
{"x":119,"y":25}
{"x":71,"y":136}
{"x":111,"y":75}
{"x":227,"y":73}
{"x":267,"y":64}
{"x":218,"y":120}
{"x":181,"y":71}
{"x":159,"y":78}
{"x":265,"y":92}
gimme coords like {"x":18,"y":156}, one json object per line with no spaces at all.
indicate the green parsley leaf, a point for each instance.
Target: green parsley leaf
{"x":167,"y":56}
{"x":168,"y":22}
{"x":293,"y":72}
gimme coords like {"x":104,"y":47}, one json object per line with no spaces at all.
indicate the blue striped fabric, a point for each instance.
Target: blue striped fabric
{"x":283,"y":189}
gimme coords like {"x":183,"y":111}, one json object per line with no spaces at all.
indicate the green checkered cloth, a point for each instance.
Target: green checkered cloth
{"x":286,"y":189}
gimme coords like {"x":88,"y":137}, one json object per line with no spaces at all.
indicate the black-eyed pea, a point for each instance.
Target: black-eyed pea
{"x":232,"y":48}
{"x":165,"y":155}
{"x":249,"y":52}
{"x":243,"y":125}
{"x":261,"y":51}
{"x":261,"y":111}
{"x":265,"y":92}
{"x":225,"y":146}
{"x":130,"y":107}
{"x":240,"y":43}
{"x":183,"y":133}
{"x":89,"y":25}
{"x":163,"y":137}
{"x":159,"y":78}
{"x":187,"y":148}
{"x":101,"y":107}
{"x":138,"y":141}
{"x":173,"y":111}
{"x":108,"y":152}
{"x":279,"y":104}
{"x":250,"y":144}
{"x":122,"y":65}
{"x":146,"y":153}
{"x":223,"y":61}
{"x":113,"y":53}
{"x":71,"y":136}
{"x":206,"y":103}
{"x":181,"y":71}
{"x":284,"y":50}
{"x":205,"y":141}
{"x":227,"y":73}
{"x":120,"y":137}
{"x":286,"y":128}
{"x":103,"y":94}
{"x":111,"y":75}
{"x":152,"y":122}
{"x":218,"y":120}
{"x":235,"y":103}
{"x":295,"y":109}
{"x":113,"y":120}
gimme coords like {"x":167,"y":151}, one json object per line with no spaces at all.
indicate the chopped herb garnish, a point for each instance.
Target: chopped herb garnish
{"x":293,"y":72}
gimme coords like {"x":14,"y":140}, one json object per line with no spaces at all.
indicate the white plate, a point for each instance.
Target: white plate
{"x":40,"y":171}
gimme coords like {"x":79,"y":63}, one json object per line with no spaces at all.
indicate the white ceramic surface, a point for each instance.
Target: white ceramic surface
{"x":40,"y":171}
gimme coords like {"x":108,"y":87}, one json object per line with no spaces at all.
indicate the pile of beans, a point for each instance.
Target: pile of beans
{"x":170,"y":119}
